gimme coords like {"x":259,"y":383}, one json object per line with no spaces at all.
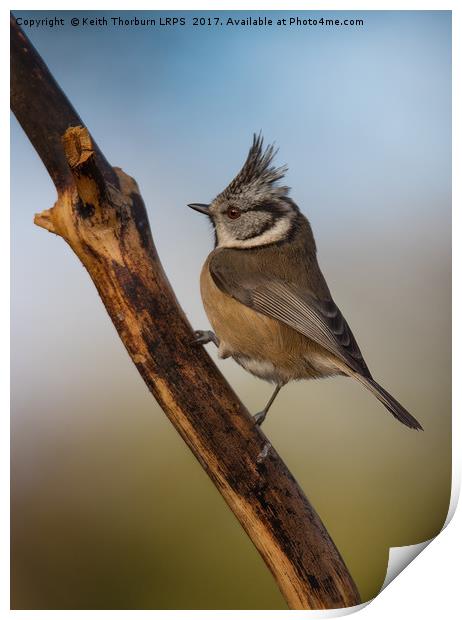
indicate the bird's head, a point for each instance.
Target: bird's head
{"x":254,"y":210}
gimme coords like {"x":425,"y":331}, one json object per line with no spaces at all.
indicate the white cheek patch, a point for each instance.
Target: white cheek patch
{"x":223,"y":236}
{"x":276,"y":233}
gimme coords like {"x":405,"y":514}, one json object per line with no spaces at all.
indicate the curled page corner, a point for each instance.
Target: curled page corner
{"x":400,"y":557}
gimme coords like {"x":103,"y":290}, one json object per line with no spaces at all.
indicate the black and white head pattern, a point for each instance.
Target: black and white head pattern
{"x":254,"y":210}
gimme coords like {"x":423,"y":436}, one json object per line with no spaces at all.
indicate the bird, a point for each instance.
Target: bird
{"x":263,"y":291}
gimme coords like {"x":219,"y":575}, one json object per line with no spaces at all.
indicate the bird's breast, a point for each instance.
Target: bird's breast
{"x":263,"y":346}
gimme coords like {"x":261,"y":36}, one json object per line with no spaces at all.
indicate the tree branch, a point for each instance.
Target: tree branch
{"x":48,"y":113}
{"x":101,"y":215}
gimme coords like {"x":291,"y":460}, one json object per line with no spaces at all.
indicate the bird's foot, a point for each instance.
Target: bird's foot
{"x":260,"y":417}
{"x":204,"y":337}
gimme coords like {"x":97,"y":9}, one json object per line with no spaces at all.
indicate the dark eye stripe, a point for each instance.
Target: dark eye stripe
{"x":272,"y":209}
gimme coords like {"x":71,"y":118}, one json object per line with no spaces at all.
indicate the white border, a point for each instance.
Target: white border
{"x":426,"y":590}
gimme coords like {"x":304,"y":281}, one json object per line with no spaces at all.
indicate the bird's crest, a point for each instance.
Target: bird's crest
{"x":257,"y":177}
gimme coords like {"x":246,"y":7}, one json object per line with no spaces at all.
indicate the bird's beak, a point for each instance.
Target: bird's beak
{"x":197,"y":206}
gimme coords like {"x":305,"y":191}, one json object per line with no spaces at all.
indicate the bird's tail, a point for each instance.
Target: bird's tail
{"x":390,"y":403}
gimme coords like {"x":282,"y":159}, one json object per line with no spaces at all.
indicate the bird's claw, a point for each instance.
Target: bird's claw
{"x":204,"y":337}
{"x":260,"y":417}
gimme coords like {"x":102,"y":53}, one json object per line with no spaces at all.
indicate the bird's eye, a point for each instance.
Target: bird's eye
{"x":233,"y":213}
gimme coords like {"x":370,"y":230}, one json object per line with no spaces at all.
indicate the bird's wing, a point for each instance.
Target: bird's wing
{"x":317,"y":319}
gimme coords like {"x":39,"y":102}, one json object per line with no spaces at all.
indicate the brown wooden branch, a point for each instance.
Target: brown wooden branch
{"x":101,"y":215}
{"x":48,"y":113}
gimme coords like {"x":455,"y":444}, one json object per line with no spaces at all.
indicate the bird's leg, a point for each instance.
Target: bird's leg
{"x":261,"y":415}
{"x":203,"y":337}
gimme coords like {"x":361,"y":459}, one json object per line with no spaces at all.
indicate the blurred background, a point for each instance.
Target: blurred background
{"x":109,"y":508}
